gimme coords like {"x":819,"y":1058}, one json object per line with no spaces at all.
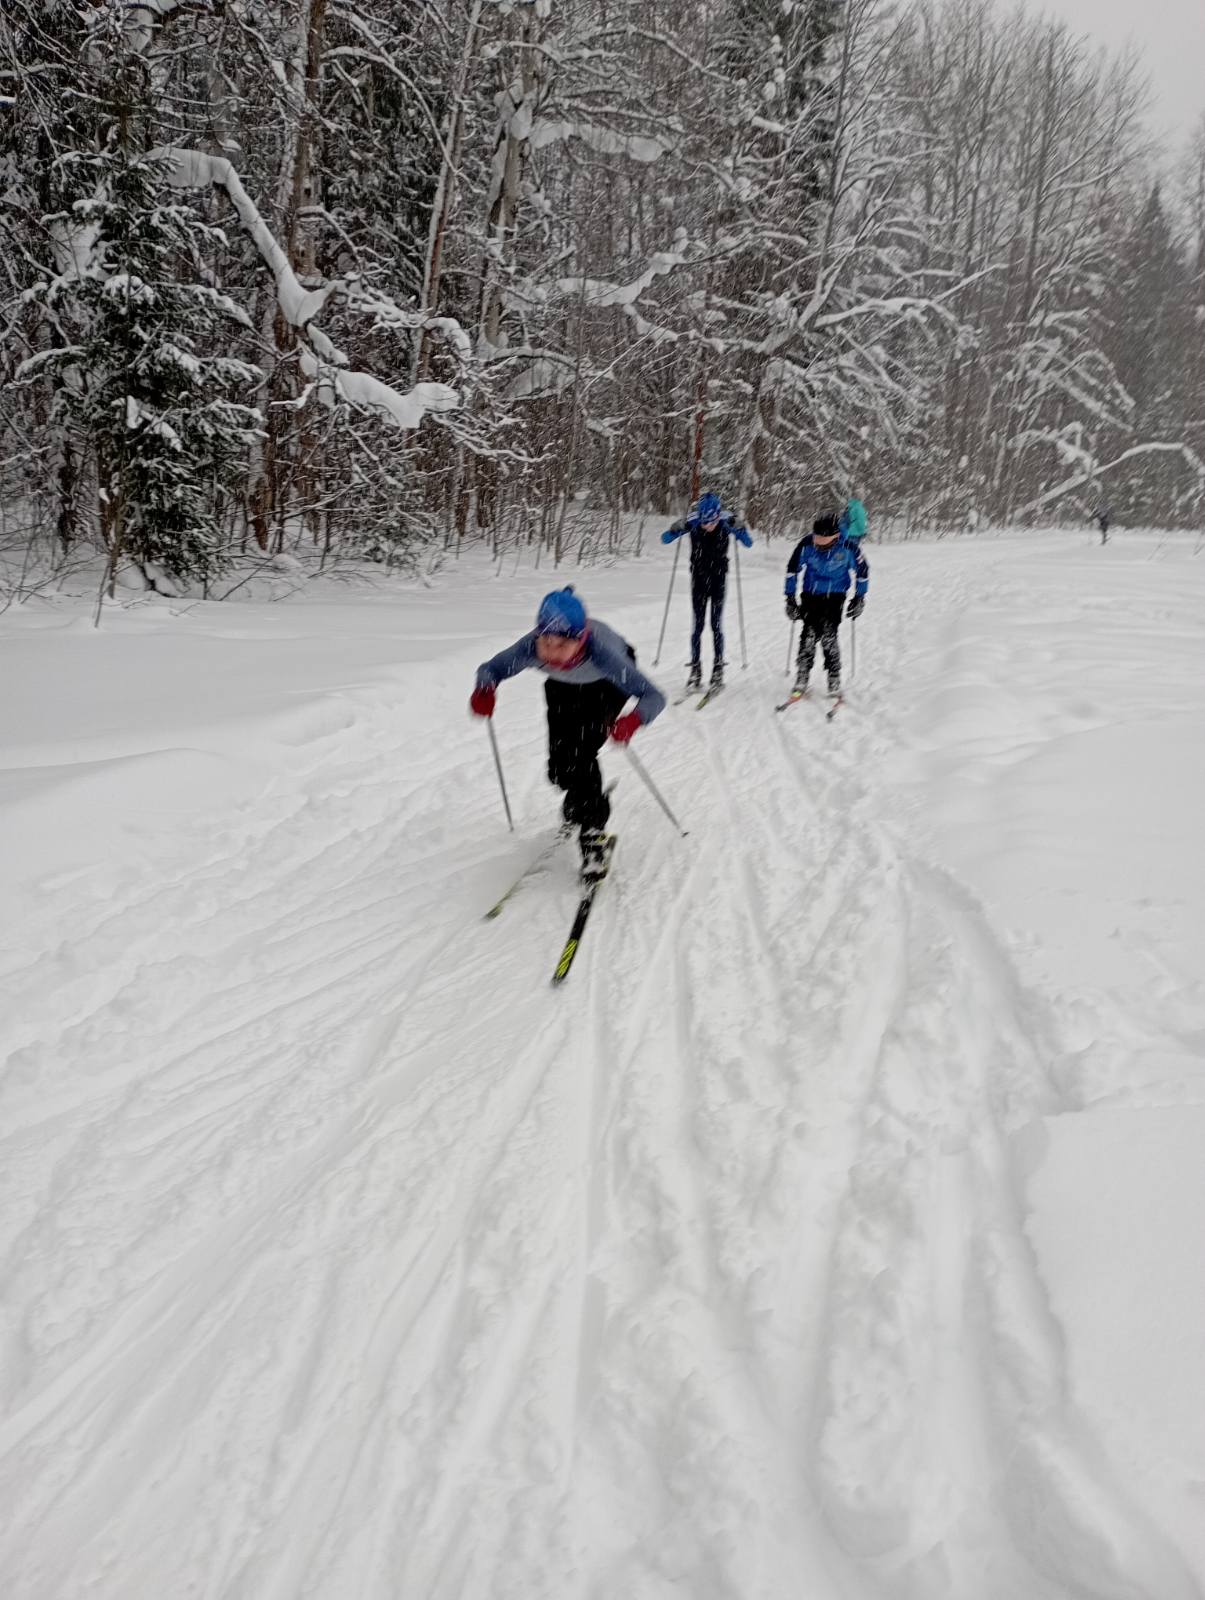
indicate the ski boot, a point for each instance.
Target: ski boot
{"x":834,"y":686}
{"x":800,"y":686}
{"x":717,"y":677}
{"x":594,"y":854}
{"x":695,"y":680}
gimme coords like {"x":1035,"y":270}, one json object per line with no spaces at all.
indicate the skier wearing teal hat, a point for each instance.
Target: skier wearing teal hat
{"x":853,"y":521}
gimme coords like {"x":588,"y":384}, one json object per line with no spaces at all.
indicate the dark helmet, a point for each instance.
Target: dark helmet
{"x":827,"y":526}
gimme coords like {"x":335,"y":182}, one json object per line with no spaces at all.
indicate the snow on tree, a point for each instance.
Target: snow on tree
{"x":499,"y":266}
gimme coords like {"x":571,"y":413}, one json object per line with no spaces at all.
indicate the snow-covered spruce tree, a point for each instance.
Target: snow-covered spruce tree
{"x":44,"y":111}
{"x":293,"y":122}
{"x":1152,"y":340}
{"x":140,"y":381}
{"x":135,"y":338}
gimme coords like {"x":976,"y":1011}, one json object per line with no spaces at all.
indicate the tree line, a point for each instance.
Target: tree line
{"x":358,"y":277}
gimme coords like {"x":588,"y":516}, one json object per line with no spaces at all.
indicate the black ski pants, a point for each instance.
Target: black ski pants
{"x":579,"y":718}
{"x":708,"y":589}
{"x":819,"y":617}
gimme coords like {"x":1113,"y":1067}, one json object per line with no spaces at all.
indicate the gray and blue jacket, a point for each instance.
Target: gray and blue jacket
{"x":607,"y":658}
{"x":826,"y":570}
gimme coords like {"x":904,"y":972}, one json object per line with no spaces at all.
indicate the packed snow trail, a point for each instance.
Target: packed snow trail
{"x":344,"y":1256}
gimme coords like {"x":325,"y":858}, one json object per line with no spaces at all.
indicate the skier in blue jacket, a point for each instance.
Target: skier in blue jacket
{"x":710,"y":528}
{"x":821,"y":567}
{"x":591,"y":674}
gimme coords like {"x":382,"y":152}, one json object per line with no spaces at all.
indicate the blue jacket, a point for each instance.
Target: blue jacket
{"x":709,"y":551}
{"x":607,"y":657}
{"x":826,"y":571}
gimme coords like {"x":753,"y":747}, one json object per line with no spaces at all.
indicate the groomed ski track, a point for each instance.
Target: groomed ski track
{"x":345,"y":1257}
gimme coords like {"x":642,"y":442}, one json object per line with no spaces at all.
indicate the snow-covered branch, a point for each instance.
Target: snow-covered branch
{"x":1068,"y":485}
{"x":605,"y":141}
{"x":597,"y":292}
{"x":191,"y":169}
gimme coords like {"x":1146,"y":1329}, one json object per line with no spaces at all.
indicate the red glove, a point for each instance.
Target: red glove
{"x":625,"y":727}
{"x":481,"y":701}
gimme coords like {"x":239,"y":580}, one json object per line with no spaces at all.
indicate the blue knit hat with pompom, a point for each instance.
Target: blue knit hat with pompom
{"x":563,"y":613}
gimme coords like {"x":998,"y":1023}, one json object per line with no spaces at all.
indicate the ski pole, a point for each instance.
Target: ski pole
{"x":652,"y":788}
{"x":853,"y":648}
{"x":489,"y":722}
{"x":672,"y":574}
{"x":790,"y":647}
{"x":740,"y":603}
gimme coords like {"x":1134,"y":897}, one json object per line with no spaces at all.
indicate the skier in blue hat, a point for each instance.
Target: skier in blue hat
{"x":710,"y":528}
{"x":591,"y":673}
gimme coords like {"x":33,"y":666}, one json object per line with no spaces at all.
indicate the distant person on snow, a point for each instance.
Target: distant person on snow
{"x":710,"y":529}
{"x":821,"y":567}
{"x":591,"y":673}
{"x":853,"y":521}
{"x":1104,"y":516}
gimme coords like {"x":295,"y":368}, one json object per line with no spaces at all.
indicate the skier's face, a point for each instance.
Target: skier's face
{"x":824,"y":539}
{"x":555,"y":650}
{"x":711,"y":525}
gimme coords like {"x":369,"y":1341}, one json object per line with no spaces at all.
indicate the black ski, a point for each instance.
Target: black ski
{"x":716,"y":688}
{"x":834,"y":708}
{"x":589,"y":890}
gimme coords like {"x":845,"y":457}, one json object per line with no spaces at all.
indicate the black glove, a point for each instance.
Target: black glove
{"x":855,"y":606}
{"x":792,"y":609}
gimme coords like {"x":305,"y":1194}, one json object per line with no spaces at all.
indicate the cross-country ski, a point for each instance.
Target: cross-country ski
{"x":592,"y":883}
{"x":793,"y":699}
{"x":832,"y":703}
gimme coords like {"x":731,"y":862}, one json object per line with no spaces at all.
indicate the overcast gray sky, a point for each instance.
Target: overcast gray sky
{"x":1171,"y":34}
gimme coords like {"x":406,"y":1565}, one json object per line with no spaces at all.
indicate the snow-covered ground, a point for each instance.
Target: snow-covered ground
{"x":836,"y":1232}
